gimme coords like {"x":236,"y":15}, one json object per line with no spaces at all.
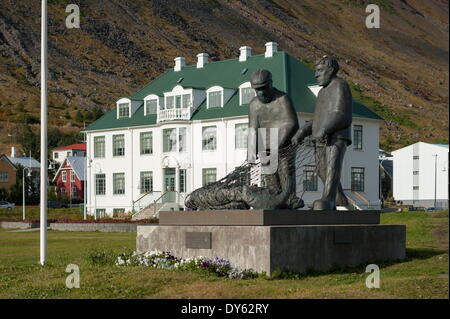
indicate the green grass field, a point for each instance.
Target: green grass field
{"x":424,"y":273}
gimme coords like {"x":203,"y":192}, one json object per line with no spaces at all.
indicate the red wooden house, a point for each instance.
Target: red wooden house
{"x":70,"y":177}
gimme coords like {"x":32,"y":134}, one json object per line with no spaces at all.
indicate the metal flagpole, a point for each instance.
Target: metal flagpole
{"x":44,"y":173}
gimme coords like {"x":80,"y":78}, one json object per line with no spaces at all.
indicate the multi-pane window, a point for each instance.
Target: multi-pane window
{"x":415,"y":188}
{"x":186,"y":100}
{"x":209,"y":176}
{"x":182,"y":181}
{"x":100,"y":184}
{"x":358,"y":179}
{"x":241,"y":132}
{"x":117,"y":211}
{"x":100,"y":212}
{"x":415,"y":172}
{"x":357,"y":137}
{"x":169,"y":102}
{"x":55,"y":155}
{"x":170,"y":140}
{"x":247,"y":94}
{"x":151,"y":106}
{"x":146,"y":182}
{"x":3,"y":177}
{"x":124,"y":110}
{"x":215,"y":99}
{"x":146,"y":143}
{"x":309,"y":178}
{"x":416,"y":157}
{"x":119,"y":145}
{"x":119,"y":183}
{"x":63,"y":191}
{"x":64,"y":176}
{"x":182,"y":139}
{"x":99,"y":146}
{"x":209,"y":138}
{"x":72,"y":176}
{"x":178,"y":101}
{"x":74,"y":191}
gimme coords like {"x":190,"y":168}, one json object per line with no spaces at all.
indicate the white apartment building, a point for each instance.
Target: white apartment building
{"x":421,"y":175}
{"x":188,"y":127}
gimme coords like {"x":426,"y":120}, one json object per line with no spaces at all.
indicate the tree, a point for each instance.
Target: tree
{"x":29,"y":141}
{"x":79,"y":117}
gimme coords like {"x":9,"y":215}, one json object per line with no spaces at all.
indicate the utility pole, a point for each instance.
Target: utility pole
{"x":44,"y":173}
{"x":435,"y":179}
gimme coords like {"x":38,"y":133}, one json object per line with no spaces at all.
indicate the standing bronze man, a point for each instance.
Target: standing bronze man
{"x":331,"y":132}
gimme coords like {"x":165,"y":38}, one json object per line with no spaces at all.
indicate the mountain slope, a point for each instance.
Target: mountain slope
{"x":399,"y":70}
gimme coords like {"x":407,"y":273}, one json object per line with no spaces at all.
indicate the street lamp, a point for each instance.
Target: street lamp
{"x":23,"y":188}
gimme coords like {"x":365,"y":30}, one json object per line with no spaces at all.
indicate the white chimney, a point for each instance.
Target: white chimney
{"x":13,"y":151}
{"x":202,"y":59}
{"x":245,"y":53}
{"x":179,"y":63}
{"x":271,"y":48}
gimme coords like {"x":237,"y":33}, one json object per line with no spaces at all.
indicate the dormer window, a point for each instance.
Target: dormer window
{"x":151,"y":106}
{"x":246,"y":93}
{"x":215,"y":99}
{"x":124,"y":110}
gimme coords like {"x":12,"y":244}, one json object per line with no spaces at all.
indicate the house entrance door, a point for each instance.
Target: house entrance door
{"x":169,"y":185}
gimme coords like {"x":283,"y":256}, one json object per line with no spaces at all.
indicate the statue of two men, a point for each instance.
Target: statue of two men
{"x":271,"y":111}
{"x":330,"y":130}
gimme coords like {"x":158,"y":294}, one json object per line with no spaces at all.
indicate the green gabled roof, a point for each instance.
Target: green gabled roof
{"x":289,"y":75}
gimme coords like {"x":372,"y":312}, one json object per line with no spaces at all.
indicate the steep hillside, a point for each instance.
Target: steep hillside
{"x":400,"y":70}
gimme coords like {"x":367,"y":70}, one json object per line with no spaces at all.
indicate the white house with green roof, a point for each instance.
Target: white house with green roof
{"x":188,"y":127}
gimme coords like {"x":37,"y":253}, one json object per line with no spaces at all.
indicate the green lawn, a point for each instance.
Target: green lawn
{"x":424,"y":274}
{"x":32,"y":212}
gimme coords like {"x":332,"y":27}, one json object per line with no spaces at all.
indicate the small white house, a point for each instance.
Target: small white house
{"x":60,"y":153}
{"x":188,"y":127}
{"x":421,"y":175}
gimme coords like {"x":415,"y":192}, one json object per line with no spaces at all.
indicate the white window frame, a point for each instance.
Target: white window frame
{"x":99,"y":152}
{"x":141,"y":144}
{"x":151,"y":97}
{"x":178,"y":90}
{"x":213,"y":90}
{"x":236,"y":137}
{"x":4,"y":177}
{"x":115,"y":188}
{"x":245,"y":85}
{"x":120,"y":106}
{"x":203,"y":145}
{"x":64,"y":176}
{"x":72,"y":175}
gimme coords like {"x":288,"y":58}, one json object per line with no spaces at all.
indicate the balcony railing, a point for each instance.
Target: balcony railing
{"x":174,"y":114}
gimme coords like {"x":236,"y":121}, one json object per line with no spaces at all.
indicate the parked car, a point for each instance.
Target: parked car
{"x":430,"y":209}
{"x":55,"y":204}
{"x":5,"y":204}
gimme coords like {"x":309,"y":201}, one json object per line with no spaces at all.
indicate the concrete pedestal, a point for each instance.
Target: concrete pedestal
{"x":320,"y":246}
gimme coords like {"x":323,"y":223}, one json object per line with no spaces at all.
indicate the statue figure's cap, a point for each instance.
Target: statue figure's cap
{"x":260,"y":78}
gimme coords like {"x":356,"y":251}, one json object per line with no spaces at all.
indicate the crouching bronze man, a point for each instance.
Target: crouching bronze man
{"x":331,"y":132}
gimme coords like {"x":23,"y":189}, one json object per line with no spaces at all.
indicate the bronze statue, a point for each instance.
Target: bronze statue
{"x":330,"y":130}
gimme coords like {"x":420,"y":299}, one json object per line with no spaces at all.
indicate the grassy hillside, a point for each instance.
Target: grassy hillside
{"x":399,"y":70}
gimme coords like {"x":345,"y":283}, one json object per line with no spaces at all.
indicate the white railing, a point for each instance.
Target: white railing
{"x":174,"y":114}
